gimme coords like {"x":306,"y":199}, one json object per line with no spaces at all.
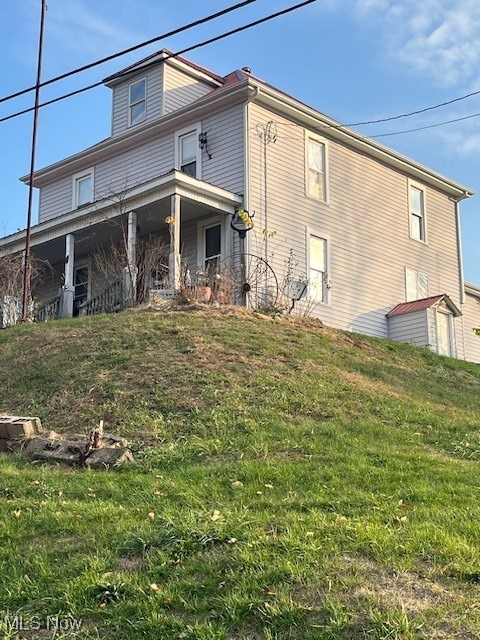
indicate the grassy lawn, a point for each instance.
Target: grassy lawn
{"x":293,"y":482}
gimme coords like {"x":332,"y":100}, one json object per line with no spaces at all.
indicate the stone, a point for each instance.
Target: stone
{"x":16,"y":427}
{"x":109,"y":457}
{"x":61,"y":451}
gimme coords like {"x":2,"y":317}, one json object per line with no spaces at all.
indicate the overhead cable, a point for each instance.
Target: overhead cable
{"x":414,"y":113}
{"x":175,"y":32}
{"x":172,"y":55}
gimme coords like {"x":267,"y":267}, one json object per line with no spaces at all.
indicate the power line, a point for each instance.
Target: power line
{"x":414,"y":113}
{"x":172,"y":55}
{"x":186,"y":27}
{"x":430,"y":126}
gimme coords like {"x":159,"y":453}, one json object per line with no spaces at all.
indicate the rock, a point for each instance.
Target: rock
{"x":50,"y":450}
{"x":108,"y":457}
{"x":13,"y":427}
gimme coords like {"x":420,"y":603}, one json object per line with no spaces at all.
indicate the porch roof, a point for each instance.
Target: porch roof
{"x":191,"y":190}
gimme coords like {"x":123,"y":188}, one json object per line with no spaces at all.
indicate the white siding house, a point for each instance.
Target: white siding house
{"x":471,"y":320}
{"x":364,"y":228}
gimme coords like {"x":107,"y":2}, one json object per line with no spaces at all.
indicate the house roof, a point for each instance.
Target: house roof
{"x":425,"y":303}
{"x":472,"y":289}
{"x":156,"y":58}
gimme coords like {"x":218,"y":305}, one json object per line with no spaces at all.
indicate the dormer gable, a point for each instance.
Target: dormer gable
{"x":154,"y":87}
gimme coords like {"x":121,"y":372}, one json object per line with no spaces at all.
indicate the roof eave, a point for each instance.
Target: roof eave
{"x":332,"y":129}
{"x":116,"y":144}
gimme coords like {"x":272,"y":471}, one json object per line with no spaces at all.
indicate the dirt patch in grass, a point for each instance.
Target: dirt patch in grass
{"x":409,"y":590}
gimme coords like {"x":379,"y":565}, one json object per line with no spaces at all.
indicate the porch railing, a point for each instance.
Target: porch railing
{"x":110,"y":300}
{"x":49,"y":310}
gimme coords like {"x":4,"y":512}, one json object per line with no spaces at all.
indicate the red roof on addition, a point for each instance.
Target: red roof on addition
{"x":425,"y":303}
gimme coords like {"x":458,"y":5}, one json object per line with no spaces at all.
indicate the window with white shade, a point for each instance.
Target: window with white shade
{"x":137,"y":102}
{"x":416,"y":285}
{"x":316,"y":179}
{"x":187,"y":151}
{"x":82,"y":188}
{"x":318,"y":288}
{"x":416,"y":196}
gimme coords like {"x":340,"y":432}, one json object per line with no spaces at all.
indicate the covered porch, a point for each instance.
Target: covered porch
{"x":162,"y":236}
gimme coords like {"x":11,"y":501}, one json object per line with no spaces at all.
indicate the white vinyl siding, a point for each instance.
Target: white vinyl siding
{"x":55,"y":199}
{"x":365,"y":220}
{"x":137,"y":102}
{"x":416,"y":199}
{"x":155,"y":158}
{"x":471,"y":320}
{"x":410,"y":327}
{"x":181,"y":89}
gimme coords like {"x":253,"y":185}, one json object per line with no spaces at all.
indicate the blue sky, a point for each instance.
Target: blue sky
{"x":355,"y":60}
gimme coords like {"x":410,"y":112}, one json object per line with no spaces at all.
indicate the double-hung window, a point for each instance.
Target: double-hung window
{"x":82,"y":188}
{"x":316,"y":174}
{"x":137,"y":102}
{"x":416,"y":197}
{"x":188,"y":152}
{"x":318,"y":268}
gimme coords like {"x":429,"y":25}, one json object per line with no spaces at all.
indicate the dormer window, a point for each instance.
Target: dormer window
{"x":137,"y":103}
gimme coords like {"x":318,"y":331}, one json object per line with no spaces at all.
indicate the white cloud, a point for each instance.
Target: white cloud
{"x":435,"y":38}
{"x":78,"y":26}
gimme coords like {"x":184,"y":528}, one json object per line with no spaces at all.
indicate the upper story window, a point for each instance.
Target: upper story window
{"x":318,"y":277}
{"x":188,"y":152}
{"x":82,"y":188}
{"x":316,"y":172}
{"x":416,"y":197}
{"x":137,"y":102}
{"x":416,"y":285}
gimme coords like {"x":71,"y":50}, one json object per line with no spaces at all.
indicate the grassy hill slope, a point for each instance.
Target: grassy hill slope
{"x":294,"y":482}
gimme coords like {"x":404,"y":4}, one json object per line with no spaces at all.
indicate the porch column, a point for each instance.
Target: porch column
{"x":174,"y":267}
{"x":131,"y":269}
{"x":68,"y":290}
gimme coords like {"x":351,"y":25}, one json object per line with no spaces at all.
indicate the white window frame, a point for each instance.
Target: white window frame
{"x":326,"y":289}
{"x":316,"y":138}
{"x":131,"y":104}
{"x":421,"y":281}
{"x":194,"y":129}
{"x":423,"y":220}
{"x":76,"y":179}
{"x":202,"y":225}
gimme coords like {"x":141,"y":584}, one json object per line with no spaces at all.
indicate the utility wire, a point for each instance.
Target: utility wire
{"x":172,"y":55}
{"x":186,"y":27}
{"x":430,"y":126}
{"x":414,"y":113}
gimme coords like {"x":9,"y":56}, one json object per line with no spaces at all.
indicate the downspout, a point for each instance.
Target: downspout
{"x":246,"y":161}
